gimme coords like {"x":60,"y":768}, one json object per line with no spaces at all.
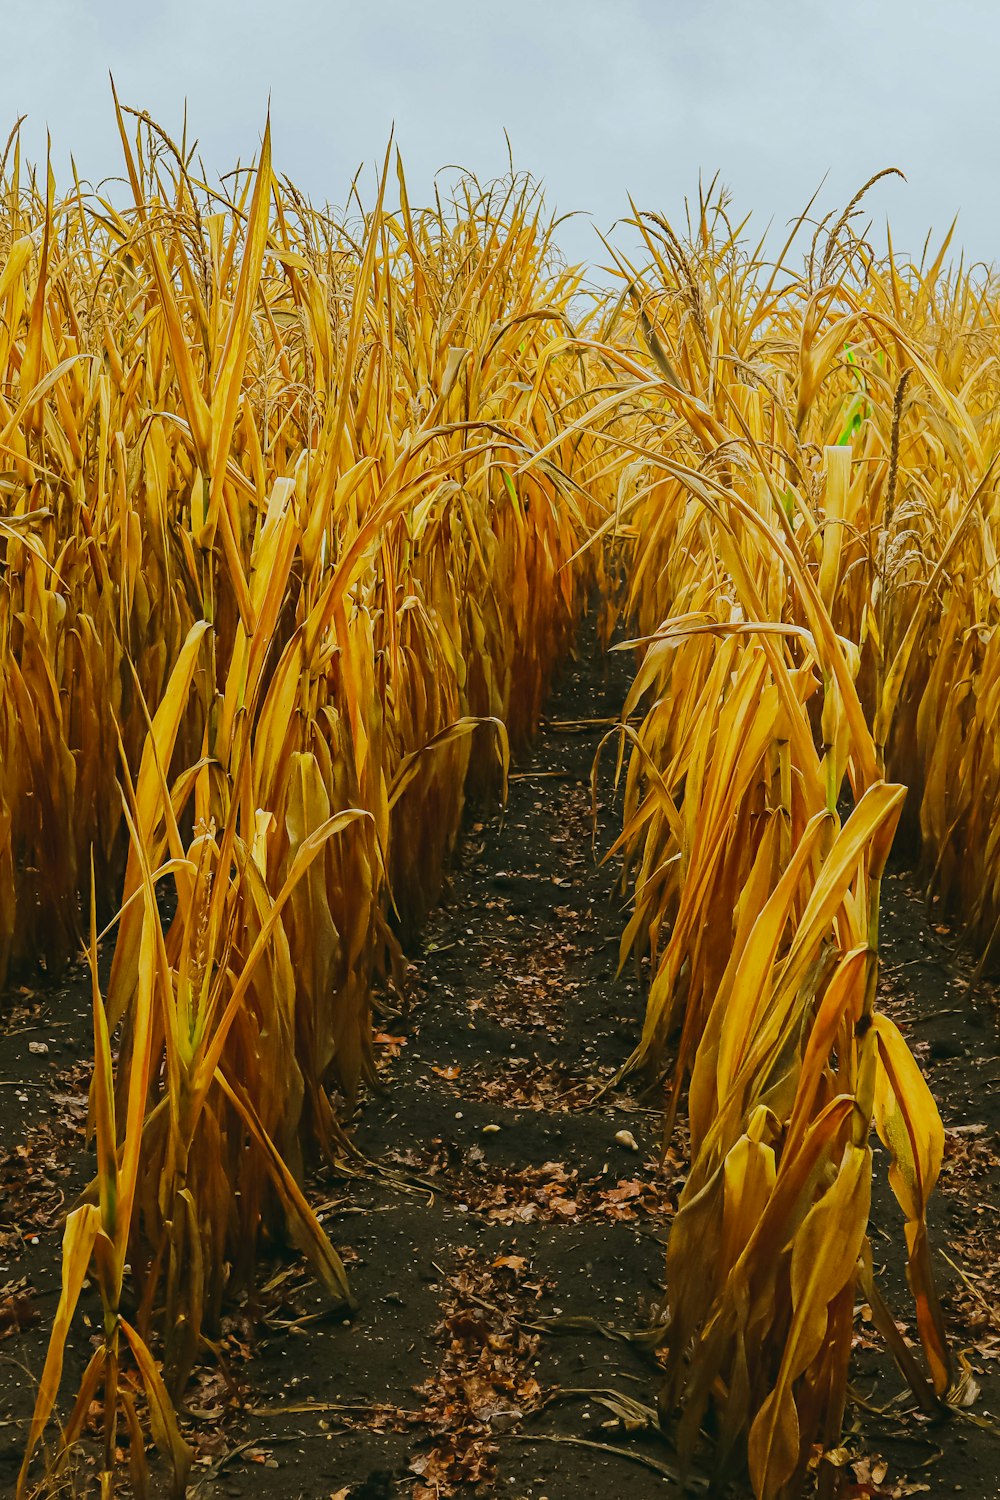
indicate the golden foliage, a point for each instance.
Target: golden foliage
{"x":810,"y":507}
{"x":274,"y":589}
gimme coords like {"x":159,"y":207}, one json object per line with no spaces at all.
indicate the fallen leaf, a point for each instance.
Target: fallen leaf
{"x":515,"y":1263}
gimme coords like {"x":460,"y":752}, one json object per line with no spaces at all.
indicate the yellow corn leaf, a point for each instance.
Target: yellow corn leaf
{"x":162,"y":1418}
{"x":909,"y":1124}
{"x":140,"y":1063}
{"x":877,"y":811}
{"x":749,"y":1175}
{"x":824,"y":1259}
{"x":838,"y":482}
{"x":103,"y":1090}
{"x":844,"y":994}
{"x":197,"y":408}
{"x":18,"y":258}
{"x":409,"y":767}
{"x":149,"y":807}
{"x":307,"y":851}
{"x":303,"y":1226}
{"x":82,"y":1227}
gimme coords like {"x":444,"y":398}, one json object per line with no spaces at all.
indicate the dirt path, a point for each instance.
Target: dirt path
{"x":519,"y":1200}
{"x":532,"y":1209}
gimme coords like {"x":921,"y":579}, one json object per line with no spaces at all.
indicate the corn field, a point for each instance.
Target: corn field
{"x":301,"y":516}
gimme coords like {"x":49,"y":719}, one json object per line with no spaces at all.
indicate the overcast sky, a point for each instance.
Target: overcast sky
{"x":601,"y":98}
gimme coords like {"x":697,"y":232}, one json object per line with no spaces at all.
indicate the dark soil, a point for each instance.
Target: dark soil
{"x":514,"y":1230}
